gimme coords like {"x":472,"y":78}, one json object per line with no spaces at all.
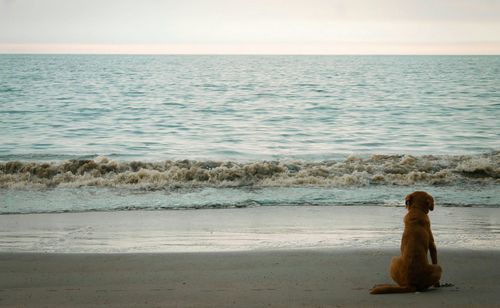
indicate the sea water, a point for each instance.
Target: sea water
{"x":115,"y":132}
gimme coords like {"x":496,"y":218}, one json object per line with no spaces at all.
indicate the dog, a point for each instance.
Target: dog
{"x":412,"y":271}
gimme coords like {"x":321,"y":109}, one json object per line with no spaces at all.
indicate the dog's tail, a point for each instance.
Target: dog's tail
{"x":390,"y":288}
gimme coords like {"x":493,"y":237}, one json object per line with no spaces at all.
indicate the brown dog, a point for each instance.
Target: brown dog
{"x":412,"y":270}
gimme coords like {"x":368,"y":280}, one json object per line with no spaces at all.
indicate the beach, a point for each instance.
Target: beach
{"x":251,"y":257}
{"x":290,"y":278}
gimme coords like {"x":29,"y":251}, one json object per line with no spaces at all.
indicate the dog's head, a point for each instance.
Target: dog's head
{"x":421,"y":200}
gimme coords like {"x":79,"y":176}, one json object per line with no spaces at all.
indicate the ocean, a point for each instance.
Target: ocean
{"x":85,"y":133}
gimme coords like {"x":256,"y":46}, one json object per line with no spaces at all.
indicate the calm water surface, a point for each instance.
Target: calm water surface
{"x":246,"y":107}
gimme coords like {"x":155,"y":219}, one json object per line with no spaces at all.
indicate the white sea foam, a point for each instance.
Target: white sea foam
{"x":400,"y":170}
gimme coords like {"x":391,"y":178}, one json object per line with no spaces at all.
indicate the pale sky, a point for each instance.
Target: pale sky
{"x":251,"y":27}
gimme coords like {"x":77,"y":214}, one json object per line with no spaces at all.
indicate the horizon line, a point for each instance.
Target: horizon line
{"x":245,"y":54}
{"x":313,"y":48}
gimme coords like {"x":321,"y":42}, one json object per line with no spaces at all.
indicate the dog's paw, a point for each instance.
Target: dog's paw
{"x":447,"y":285}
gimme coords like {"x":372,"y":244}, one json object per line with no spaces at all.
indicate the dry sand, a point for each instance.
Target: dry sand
{"x":286,"y":278}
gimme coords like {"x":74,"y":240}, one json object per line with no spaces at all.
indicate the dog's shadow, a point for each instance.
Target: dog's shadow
{"x":444,"y":285}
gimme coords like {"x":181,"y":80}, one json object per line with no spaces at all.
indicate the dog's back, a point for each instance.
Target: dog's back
{"x":415,"y":241}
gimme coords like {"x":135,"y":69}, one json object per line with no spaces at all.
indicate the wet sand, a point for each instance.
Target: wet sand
{"x":287,"y":278}
{"x":252,"y":257}
{"x":258,"y":228}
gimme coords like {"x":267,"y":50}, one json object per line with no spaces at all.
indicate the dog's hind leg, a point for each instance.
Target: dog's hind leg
{"x":435,"y":275}
{"x":396,"y":271}
{"x":398,"y":276}
{"x":431,"y":277}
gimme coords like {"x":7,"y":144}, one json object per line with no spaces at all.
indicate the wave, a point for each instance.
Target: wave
{"x":402,"y":170}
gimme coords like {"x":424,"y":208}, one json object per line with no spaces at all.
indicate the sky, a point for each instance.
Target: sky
{"x":250,"y":27}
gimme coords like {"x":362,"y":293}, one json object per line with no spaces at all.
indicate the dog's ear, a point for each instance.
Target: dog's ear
{"x":408,"y":201}
{"x":430,"y":202}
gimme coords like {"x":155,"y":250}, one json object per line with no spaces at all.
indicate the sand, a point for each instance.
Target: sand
{"x":260,"y":228}
{"x":287,"y":278}
{"x":253,"y":257}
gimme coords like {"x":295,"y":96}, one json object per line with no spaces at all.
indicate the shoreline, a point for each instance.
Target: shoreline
{"x":284,"y":278}
{"x":241,"y":229}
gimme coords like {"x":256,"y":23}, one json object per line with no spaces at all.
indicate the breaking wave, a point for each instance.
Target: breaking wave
{"x":401,"y":170}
